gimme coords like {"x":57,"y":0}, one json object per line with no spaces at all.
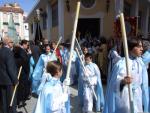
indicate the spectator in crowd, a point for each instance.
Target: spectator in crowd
{"x":22,"y":59}
{"x":8,"y":76}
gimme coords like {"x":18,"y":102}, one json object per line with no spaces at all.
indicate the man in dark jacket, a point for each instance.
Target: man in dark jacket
{"x":22,"y":59}
{"x":8,"y":75}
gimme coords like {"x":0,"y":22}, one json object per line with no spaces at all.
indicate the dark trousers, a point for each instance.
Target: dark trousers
{"x":6,"y":95}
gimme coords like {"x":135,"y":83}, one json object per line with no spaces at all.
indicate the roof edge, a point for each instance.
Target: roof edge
{"x":32,"y":10}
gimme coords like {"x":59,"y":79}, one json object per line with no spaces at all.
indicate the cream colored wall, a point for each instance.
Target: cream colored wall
{"x":44,"y":33}
{"x":109,"y":21}
{"x":100,"y":7}
{"x":54,"y":33}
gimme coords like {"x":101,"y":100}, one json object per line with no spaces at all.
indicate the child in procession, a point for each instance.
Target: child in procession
{"x":92,"y":81}
{"x":53,"y":98}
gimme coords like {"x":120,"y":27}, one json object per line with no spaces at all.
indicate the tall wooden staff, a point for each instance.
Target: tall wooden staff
{"x":123,"y":30}
{"x":14,"y":92}
{"x":73,"y":42}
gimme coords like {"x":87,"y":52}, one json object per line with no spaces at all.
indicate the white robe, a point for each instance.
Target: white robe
{"x":52,"y":98}
{"x":117,"y":100}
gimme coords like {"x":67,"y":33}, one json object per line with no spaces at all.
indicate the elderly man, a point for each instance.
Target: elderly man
{"x":8,"y":75}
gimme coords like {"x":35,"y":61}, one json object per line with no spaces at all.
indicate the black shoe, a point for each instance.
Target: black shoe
{"x":20,"y":112}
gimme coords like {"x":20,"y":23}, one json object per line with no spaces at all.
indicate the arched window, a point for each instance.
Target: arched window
{"x":88,"y":3}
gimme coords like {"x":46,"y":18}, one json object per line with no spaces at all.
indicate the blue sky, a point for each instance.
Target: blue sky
{"x":26,"y":5}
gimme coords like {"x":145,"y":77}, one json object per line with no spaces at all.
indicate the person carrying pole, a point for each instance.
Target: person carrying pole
{"x":39,"y":75}
{"x":128,"y":88}
{"x":67,"y":79}
{"x":92,"y":85}
{"x":52,"y":97}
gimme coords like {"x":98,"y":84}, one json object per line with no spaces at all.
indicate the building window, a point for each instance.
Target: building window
{"x":127,"y":9}
{"x":18,"y":24}
{"x":31,"y":27}
{"x":5,"y":23}
{"x":55,"y":15}
{"x":88,"y":3}
{"x":44,"y":16}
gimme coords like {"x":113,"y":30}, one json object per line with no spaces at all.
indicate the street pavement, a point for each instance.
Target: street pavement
{"x":30,"y":104}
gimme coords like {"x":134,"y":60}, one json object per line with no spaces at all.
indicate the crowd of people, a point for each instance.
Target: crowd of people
{"x":97,"y":62}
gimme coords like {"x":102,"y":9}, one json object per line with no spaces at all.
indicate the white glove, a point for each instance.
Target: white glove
{"x":66,"y":82}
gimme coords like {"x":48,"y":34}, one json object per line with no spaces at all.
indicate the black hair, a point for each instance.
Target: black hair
{"x":45,"y":45}
{"x":133,"y":42}
{"x":88,"y":55}
{"x":23,"y":42}
{"x":103,"y":40}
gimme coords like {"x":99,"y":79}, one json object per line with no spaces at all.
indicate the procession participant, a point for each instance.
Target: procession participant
{"x":146,"y":52}
{"x":53,"y":96}
{"x":65,"y":60}
{"x":80,"y":80}
{"x":8,"y":76}
{"x":57,"y":51}
{"x":102,"y":57}
{"x":43,"y":44}
{"x":40,"y":68}
{"x":146,"y":60}
{"x":92,"y":72}
{"x":63,"y":50}
{"x":85,"y":50}
{"x":113,"y":57}
{"x":35,"y":54}
{"x":117,"y":97}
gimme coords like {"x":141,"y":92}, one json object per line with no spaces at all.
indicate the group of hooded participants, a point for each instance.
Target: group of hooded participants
{"x":44,"y":69}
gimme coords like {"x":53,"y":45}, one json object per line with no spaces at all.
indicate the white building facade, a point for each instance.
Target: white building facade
{"x":18,"y":17}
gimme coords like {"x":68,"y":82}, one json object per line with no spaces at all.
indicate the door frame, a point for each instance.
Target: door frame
{"x":99,"y":15}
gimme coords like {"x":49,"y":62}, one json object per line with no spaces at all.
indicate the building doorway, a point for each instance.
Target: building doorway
{"x":90,"y":25}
